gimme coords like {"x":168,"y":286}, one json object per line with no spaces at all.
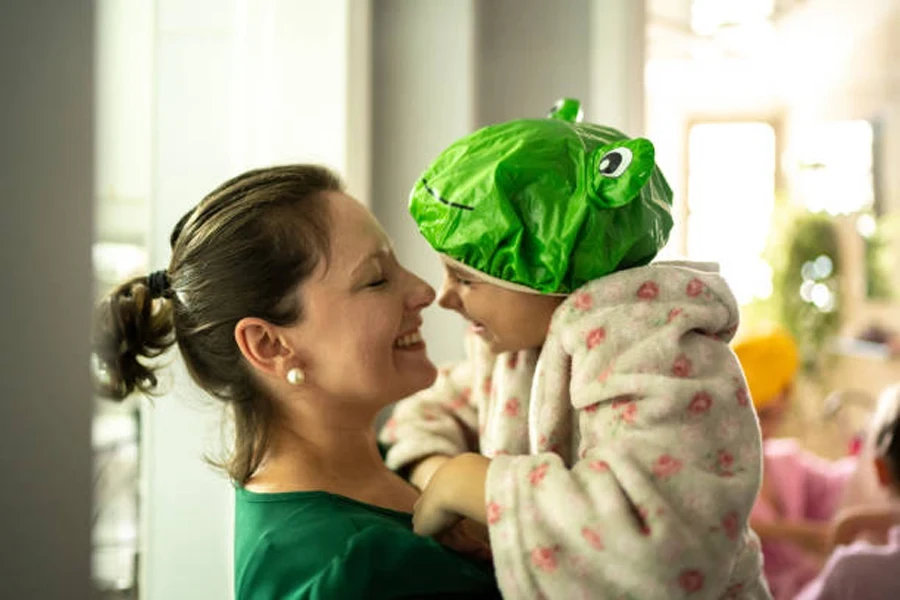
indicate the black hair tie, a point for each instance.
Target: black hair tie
{"x":158,"y":282}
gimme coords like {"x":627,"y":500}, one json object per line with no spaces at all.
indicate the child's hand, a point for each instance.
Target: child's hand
{"x":456,"y":490}
{"x":422,"y":472}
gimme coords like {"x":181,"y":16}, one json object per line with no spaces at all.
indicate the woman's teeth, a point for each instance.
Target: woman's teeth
{"x":408,"y":340}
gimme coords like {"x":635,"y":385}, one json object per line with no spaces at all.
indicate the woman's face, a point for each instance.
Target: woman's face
{"x":359,"y":339}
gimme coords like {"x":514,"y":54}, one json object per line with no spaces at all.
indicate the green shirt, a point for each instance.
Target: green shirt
{"x":321,"y":546}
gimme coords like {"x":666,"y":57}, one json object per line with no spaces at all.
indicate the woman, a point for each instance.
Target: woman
{"x":800,"y":492}
{"x":287,"y":303}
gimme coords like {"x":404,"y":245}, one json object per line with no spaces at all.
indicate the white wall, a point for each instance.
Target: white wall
{"x":46,"y":166}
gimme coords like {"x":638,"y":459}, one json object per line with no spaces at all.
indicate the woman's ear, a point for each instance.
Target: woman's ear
{"x":883,"y":472}
{"x":263,"y":346}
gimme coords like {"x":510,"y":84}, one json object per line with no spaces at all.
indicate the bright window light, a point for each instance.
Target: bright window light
{"x":707,"y":16}
{"x":730,"y":199}
{"x":834,"y":167}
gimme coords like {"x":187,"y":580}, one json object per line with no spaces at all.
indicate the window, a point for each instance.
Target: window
{"x":730,"y":199}
{"x":834,"y":167}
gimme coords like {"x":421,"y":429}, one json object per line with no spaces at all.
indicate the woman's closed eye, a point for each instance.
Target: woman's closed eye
{"x":377,"y":282}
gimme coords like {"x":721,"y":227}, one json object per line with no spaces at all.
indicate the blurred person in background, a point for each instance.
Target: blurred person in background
{"x":800,"y":492}
{"x":868,"y":568}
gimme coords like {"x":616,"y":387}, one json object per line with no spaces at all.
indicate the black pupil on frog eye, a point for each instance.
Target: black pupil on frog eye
{"x":610,"y":162}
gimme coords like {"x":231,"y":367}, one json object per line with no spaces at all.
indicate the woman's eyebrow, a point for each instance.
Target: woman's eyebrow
{"x":363,"y":263}
{"x":375,"y":255}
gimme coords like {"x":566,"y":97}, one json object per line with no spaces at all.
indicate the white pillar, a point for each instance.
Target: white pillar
{"x":530,"y":54}
{"x":617,"y":57}
{"x":423,"y":99}
{"x":45,"y":257}
{"x":239,"y":84}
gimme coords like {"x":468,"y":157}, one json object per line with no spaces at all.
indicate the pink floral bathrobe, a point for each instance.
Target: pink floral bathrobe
{"x":626,"y":457}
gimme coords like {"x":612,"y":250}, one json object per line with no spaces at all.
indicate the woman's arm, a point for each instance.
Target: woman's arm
{"x":811,"y":536}
{"x":852,"y":523}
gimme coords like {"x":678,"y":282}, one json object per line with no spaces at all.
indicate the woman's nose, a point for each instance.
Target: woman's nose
{"x":422,"y":294}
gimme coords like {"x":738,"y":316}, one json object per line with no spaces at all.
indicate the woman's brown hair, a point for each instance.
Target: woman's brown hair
{"x":240,"y":253}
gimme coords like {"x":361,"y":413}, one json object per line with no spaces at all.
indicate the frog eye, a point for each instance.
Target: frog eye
{"x":614,"y":162}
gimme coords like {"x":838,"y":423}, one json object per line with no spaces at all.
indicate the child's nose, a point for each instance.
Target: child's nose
{"x":448,"y":298}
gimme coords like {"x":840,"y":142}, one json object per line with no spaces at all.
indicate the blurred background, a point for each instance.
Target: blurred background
{"x":775,"y":122}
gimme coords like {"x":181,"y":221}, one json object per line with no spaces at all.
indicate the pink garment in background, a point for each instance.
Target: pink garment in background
{"x":808,"y":488}
{"x":860,"y":571}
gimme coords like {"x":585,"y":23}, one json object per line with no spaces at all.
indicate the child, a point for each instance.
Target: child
{"x":601,"y":427}
{"x":800,"y":492}
{"x":863,"y":570}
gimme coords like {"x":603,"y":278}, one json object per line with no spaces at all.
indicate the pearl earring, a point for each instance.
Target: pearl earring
{"x":296,"y":376}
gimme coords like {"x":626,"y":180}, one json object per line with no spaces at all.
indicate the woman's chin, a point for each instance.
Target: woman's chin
{"x":419,"y":379}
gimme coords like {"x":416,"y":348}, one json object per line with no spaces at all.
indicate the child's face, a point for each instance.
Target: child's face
{"x":506,"y":319}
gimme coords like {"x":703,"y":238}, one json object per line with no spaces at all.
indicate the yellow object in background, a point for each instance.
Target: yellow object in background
{"x":770,"y":361}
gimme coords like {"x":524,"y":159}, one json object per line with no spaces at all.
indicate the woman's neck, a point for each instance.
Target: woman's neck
{"x":342,"y":460}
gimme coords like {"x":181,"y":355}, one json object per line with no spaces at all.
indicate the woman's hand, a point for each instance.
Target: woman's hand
{"x":811,"y":536}
{"x":468,"y":537}
{"x":455,"y":491}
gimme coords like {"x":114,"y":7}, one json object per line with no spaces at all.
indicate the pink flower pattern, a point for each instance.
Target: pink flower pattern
{"x":682,"y":366}
{"x":730,"y":525}
{"x":694,"y":288}
{"x":592,"y":536}
{"x":743,"y":398}
{"x":537,"y":474}
{"x":511,"y":408}
{"x":494,"y":512}
{"x":629,"y":412}
{"x":584,"y":301}
{"x":595,"y":337}
{"x":691,"y":580}
{"x":666,"y":466}
{"x":544,"y":558}
{"x":649,"y":290}
{"x":700,"y":403}
{"x":600,"y":466}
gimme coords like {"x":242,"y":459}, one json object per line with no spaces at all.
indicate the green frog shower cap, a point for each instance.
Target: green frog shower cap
{"x":545,"y":205}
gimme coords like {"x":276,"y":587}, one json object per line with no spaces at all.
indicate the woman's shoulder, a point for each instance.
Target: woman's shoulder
{"x":316,"y":544}
{"x":291,"y":536}
{"x":302,"y":513}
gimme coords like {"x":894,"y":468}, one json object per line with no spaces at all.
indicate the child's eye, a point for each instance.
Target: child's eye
{"x":462,"y":281}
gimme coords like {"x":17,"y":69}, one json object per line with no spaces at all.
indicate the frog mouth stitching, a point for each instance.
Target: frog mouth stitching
{"x":437,"y":197}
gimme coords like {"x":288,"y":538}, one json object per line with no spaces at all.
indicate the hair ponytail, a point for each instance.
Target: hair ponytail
{"x":130,"y":326}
